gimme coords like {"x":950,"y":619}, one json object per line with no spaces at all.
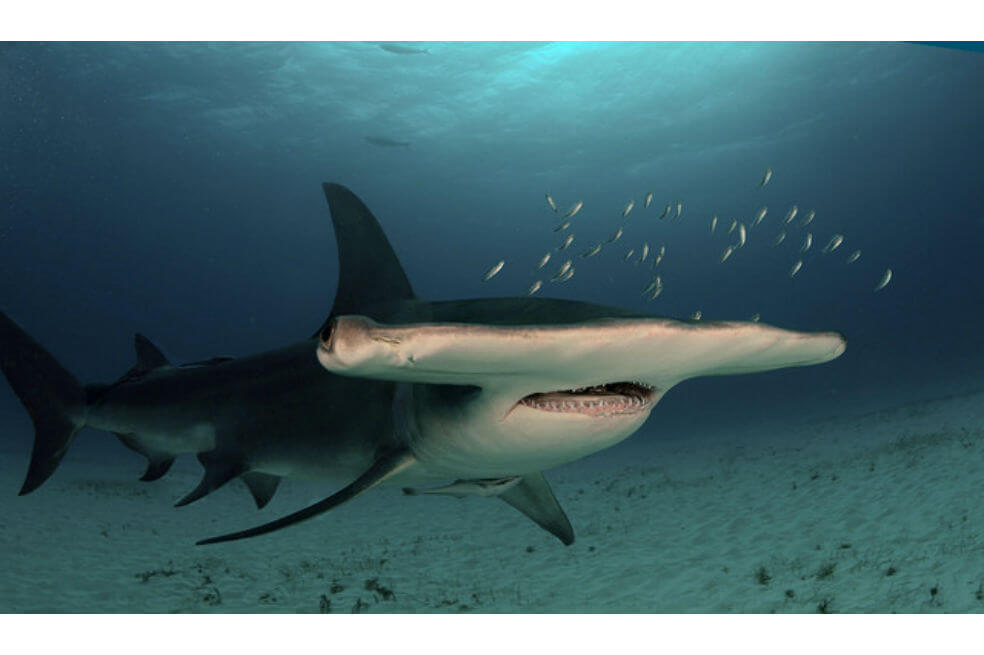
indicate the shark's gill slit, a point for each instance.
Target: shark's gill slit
{"x":600,"y":399}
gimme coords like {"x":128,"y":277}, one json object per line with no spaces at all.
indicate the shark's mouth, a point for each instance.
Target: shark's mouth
{"x":597,"y":400}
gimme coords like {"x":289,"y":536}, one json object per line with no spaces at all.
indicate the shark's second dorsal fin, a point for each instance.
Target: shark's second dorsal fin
{"x":149,"y":356}
{"x":533,"y":497}
{"x":369,"y":272}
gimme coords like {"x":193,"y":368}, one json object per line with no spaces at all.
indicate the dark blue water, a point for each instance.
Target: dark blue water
{"x":175,"y":190}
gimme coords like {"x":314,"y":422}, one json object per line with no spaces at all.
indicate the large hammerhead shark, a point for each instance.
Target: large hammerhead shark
{"x":396,"y":390}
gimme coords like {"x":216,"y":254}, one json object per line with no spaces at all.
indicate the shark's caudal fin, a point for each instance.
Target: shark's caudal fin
{"x":369,"y":272}
{"x":52,"y":396}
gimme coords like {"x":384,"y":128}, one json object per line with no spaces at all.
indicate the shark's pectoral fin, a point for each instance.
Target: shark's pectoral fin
{"x":262,"y":486}
{"x":463,"y":488}
{"x":533,"y":497}
{"x":384,"y":468}
{"x":219,"y":469}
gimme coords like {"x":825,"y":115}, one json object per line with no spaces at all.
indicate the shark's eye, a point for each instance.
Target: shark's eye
{"x":327,"y":333}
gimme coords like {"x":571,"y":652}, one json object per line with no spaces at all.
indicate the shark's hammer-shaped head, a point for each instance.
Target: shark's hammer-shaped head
{"x":492,"y":400}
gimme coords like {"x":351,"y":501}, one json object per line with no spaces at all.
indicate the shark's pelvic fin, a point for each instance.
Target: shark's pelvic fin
{"x":158,"y":463}
{"x":219,"y":469}
{"x":384,"y":468}
{"x":52,"y":396}
{"x":369,"y":272}
{"x":533,"y":497}
{"x":262,"y":486}
{"x":156,"y":468}
{"x":149,"y":356}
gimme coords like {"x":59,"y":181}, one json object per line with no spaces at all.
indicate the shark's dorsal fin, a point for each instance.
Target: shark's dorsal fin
{"x":262,"y":486}
{"x":533,"y":497}
{"x":149,"y":356}
{"x":369,"y":272}
{"x":384,"y":468}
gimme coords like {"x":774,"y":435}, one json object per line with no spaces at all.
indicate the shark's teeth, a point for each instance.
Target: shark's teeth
{"x":596,"y":400}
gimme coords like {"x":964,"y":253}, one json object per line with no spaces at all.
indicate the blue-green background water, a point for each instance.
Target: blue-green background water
{"x":173,"y":189}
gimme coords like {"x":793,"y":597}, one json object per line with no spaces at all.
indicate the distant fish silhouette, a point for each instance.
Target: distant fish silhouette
{"x":385,"y":142}
{"x":402,"y":49}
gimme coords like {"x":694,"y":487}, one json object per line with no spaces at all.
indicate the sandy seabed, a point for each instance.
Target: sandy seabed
{"x":878,"y":512}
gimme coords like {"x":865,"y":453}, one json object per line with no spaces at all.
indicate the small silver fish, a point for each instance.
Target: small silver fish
{"x":791,"y":214}
{"x":628,"y":208}
{"x":534,"y":287}
{"x":759,"y":215}
{"x":649,"y":200}
{"x":853,"y":257}
{"x":885,"y":279}
{"x":679,"y":209}
{"x":566,"y":276}
{"x":492,"y":272}
{"x":834,"y":243}
{"x":645,"y":252}
{"x":566,"y":266}
{"x":567,"y":242}
{"x":796,"y":267}
{"x":658,"y":290}
{"x":807,"y":242}
{"x":594,"y":250}
{"x":616,"y":236}
{"x":550,"y":201}
{"x":696,"y":316}
{"x":766,"y":177}
{"x":727,"y":253}
{"x":575,"y":209}
{"x":563,"y":226}
{"x":756,"y":318}
{"x":779,"y":239}
{"x":655,"y":282}
{"x":666,"y":212}
{"x":662,"y":250}
{"x":742,"y":235}
{"x":543,"y":262}
{"x":629,"y":254}
{"x":714,"y":224}
{"x":808,"y":218}
{"x":734,"y":224}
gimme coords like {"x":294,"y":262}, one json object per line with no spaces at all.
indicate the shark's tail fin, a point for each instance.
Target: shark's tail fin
{"x":52,"y":396}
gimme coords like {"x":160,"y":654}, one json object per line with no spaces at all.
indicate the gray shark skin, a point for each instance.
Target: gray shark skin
{"x":394,"y":390}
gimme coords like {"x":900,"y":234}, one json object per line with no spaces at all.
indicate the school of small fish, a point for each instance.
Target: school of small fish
{"x":674,"y":210}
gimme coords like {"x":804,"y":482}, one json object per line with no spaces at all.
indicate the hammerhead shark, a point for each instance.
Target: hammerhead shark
{"x":391,"y":389}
